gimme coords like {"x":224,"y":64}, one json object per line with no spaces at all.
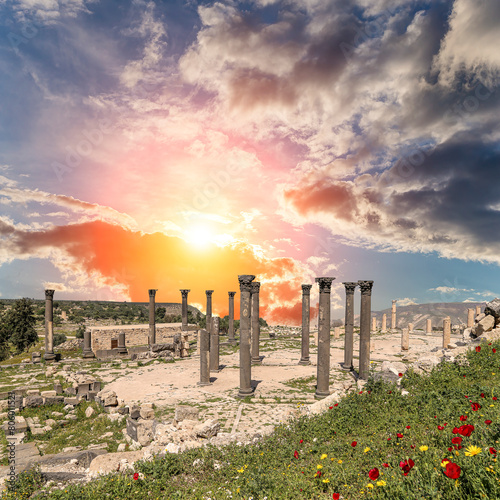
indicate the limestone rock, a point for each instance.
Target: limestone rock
{"x":479,"y":317}
{"x":147,"y":413}
{"x":208,"y":429}
{"x":485,"y":325}
{"x":89,"y":412}
{"x":111,"y":462}
{"x":32,"y":401}
{"x":108,"y":398}
{"x":493,"y":308}
{"x":183,"y":412}
{"x":427,"y":363}
{"x":172,"y":448}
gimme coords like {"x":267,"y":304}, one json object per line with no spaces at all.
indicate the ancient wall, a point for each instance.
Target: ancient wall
{"x":135,"y":335}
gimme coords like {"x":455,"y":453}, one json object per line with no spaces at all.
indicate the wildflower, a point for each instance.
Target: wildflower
{"x":399,"y":435}
{"x":301,"y":441}
{"x":367,"y":449}
{"x":440,"y":427}
{"x":323,"y":456}
{"x":136,"y":476}
{"x":336,"y":496}
{"x":463,"y":418}
{"x":407,"y":465}
{"x":319,"y":466}
{"x":336,"y":404}
{"x":494,"y":398}
{"x":339,"y":462}
{"x":487,"y":422}
{"x":354,"y":443}
{"x":381,"y":483}
{"x":444,"y":462}
{"x":493,"y":451}
{"x":472,"y":450}
{"x":482,"y":394}
{"x":466,"y":430}
{"x":369,"y":485}
{"x":374,"y":474}
{"x":318,"y":474}
{"x":296,"y":454}
{"x":408,"y":427}
{"x":424,"y":448}
{"x":452,"y":470}
{"x":456,"y":440}
{"x":478,"y":348}
{"x":326,"y":480}
{"x":386,"y":465}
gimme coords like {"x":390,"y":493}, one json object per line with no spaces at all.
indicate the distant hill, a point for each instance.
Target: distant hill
{"x":419,"y":313}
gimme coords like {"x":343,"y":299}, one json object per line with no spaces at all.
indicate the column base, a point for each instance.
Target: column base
{"x":245,"y":393}
{"x":201,"y":384}
{"x":257,"y":361}
{"x":304,"y":362}
{"x":215,"y":370}
{"x":347,"y":368}
{"x":232,"y":341}
{"x":49,"y":356}
{"x":88,"y":354}
{"x":321,"y":395}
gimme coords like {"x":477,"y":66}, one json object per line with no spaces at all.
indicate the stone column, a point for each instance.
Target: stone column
{"x":374,"y":324}
{"x":184,"y":310}
{"x":393,"y":315}
{"x":446,"y":332}
{"x":121,"y":349}
{"x":384,"y":323}
{"x":49,"y":326}
{"x":405,"y":339}
{"x":232,"y":340}
{"x":255,"y":323}
{"x":323,"y":372}
{"x":336,"y":332}
{"x":214,"y":344}
{"x":470,"y":318}
{"x":428,"y":326}
{"x":152,"y":322}
{"x":87,"y":345}
{"x":198,"y":343}
{"x":410,"y":327}
{"x":349,"y":324}
{"x":364,"y":328}
{"x":245,"y":390}
{"x":306,"y":302}
{"x":478,"y":310}
{"x":208,"y":322}
{"x":204,"y":359}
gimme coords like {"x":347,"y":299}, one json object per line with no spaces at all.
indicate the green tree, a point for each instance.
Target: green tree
{"x":4,"y":337}
{"x":20,"y":323}
{"x":80,"y":331}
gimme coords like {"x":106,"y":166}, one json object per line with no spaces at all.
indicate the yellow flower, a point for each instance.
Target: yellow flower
{"x":424,"y":448}
{"x":319,"y":466}
{"x":323,"y":456}
{"x":326,"y":480}
{"x":367,"y":449}
{"x":369,"y":485}
{"x":340,"y":461}
{"x":381,"y":483}
{"x":444,"y":462}
{"x":472,"y":450}
{"x":240,"y":470}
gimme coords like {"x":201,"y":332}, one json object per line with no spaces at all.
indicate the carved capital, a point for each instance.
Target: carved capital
{"x":394,"y":302}
{"x":255,"y":286}
{"x":245,"y":282}
{"x":184,"y":293}
{"x":306,"y":289}
{"x":350,"y":286}
{"x":325,"y":284}
{"x":366,"y":287}
{"x":231,"y":294}
{"x":49,"y":294}
{"x":152,"y":292}
{"x":209,"y":293}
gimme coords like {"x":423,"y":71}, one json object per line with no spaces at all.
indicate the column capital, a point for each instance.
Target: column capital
{"x":184,"y":293}
{"x":366,"y":287}
{"x":325,"y":284}
{"x":231,"y":294}
{"x":394,"y":302}
{"x":209,"y":293}
{"x":245,"y":282}
{"x":49,"y":294}
{"x":255,"y":286}
{"x":306,"y":289}
{"x":152,"y":292}
{"x":350,"y":286}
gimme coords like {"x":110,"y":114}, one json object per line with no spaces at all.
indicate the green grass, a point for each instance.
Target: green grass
{"x":313,"y":458}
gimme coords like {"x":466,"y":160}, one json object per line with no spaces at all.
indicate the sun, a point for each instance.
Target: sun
{"x":200,"y":235}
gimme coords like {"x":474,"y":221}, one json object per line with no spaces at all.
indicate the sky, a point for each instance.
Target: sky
{"x":178,"y":144}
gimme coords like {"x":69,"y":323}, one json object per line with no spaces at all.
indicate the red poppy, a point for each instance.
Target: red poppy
{"x":487,"y":422}
{"x":440,"y":427}
{"x":136,"y":476}
{"x":455,"y":430}
{"x":450,"y":449}
{"x":296,"y":454}
{"x":494,"y":350}
{"x":482,"y":394}
{"x":400,"y":374}
{"x":463,"y":418}
{"x":494,"y":398}
{"x":475,"y":406}
{"x":330,"y":407}
{"x":408,"y":427}
{"x":452,"y":470}
{"x":390,"y":392}
{"x":466,"y":430}
{"x":412,"y":446}
{"x":301,"y":441}
{"x":493,"y":451}
{"x":457,"y":440}
{"x":374,"y":474}
{"x":399,"y":435}
{"x":386,"y":465}
{"x":318,"y":474}
{"x":336,"y":404}
{"x":388,"y":439}
{"x":407,"y":465}
{"x":336,"y":496}
{"x":360,"y":392}
{"x":445,"y":424}
{"x":354,"y":443}
{"x":478,"y":348}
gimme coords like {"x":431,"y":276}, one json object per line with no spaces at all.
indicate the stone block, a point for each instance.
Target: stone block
{"x":183,"y":412}
{"x":208,"y":429}
{"x":89,"y":412}
{"x":485,"y":325}
{"x":96,"y":386}
{"x":33,"y":392}
{"x":91,"y":395}
{"x":147,"y":413}
{"x":33,"y":401}
{"x":53,"y":400}
{"x":48,"y":394}
{"x":135,"y":412}
{"x":58,"y":388}
{"x":108,"y":398}
{"x":71,"y":401}
{"x":493,"y":308}
{"x":71,"y":391}
{"x":19,"y":426}
{"x":123,"y":410}
{"x":82,"y":389}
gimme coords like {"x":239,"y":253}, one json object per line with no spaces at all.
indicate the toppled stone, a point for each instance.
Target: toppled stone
{"x":493,"y":308}
{"x":207,"y":429}
{"x":172,"y":448}
{"x":185,"y":412}
{"x":89,"y":412}
{"x":483,"y":326}
{"x":32,"y":401}
{"x":108,"y":398}
{"x":147,"y":413}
